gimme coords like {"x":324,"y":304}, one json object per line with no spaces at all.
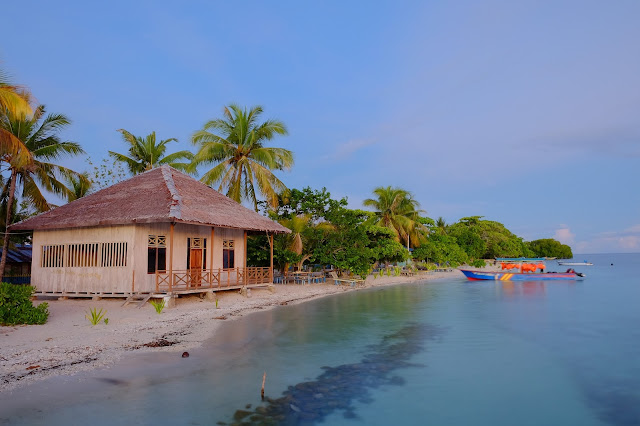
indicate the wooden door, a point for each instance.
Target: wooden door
{"x":195,"y":267}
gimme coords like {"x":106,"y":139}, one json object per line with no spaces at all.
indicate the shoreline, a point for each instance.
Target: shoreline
{"x":68,"y":344}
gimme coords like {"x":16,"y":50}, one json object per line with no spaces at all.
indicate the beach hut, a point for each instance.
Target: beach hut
{"x":18,"y":267}
{"x":160,"y":232}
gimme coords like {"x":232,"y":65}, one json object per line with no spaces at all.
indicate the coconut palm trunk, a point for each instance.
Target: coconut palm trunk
{"x":5,"y":242}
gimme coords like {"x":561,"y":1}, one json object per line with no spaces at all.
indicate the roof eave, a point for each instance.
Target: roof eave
{"x":16,"y":226}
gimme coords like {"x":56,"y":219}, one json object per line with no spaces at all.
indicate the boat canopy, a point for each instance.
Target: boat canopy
{"x":520,"y":259}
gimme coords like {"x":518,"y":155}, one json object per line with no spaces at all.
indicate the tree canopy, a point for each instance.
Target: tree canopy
{"x":38,"y":135}
{"x":548,"y":247}
{"x":145,"y":153}
{"x":396,"y":210}
{"x":487,"y":239}
{"x":325,"y":232}
{"x":242,"y":164}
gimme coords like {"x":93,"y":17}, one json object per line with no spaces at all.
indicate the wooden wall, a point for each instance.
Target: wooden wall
{"x":80,"y":279}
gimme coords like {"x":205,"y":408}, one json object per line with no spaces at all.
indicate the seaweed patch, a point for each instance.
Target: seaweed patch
{"x":337,"y":388}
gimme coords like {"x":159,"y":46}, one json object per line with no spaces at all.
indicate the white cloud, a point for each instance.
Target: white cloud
{"x":627,"y":241}
{"x":345,"y":150}
{"x":565,"y":236}
{"x":635,"y":229}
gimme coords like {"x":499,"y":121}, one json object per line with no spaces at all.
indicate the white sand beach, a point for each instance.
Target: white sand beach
{"x":68,"y":343}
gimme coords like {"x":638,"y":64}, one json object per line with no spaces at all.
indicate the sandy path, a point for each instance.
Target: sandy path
{"x":68,"y":343}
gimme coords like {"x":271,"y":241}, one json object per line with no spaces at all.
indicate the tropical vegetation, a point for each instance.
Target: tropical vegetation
{"x":145,"y":153}
{"x":235,"y":147}
{"x":325,"y":232}
{"x":237,"y":161}
{"x":79,"y":185}
{"x":332,"y":235}
{"x":16,"y":306}
{"x":396,"y":210}
{"x":14,"y":100}
{"x":551,"y":248}
{"x":34,"y":175}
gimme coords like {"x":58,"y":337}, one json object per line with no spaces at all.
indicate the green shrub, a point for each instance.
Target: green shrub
{"x":16,"y":306}
{"x":478,"y":263}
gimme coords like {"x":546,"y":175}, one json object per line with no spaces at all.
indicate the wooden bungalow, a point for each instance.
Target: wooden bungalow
{"x":160,"y":232}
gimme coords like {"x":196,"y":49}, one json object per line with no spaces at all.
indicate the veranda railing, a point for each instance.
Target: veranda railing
{"x":198,"y":279}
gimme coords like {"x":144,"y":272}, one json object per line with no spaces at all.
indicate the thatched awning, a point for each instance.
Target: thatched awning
{"x":161,"y":195}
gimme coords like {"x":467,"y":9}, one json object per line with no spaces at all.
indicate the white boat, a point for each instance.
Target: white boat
{"x":585,"y":263}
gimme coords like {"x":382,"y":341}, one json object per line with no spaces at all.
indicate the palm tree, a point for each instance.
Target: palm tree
{"x":441,"y":226}
{"x":296,"y":241}
{"x":145,"y":153}
{"x":38,"y":135}
{"x":79,"y":186}
{"x":297,"y":225}
{"x":235,"y":144}
{"x":13,"y":100}
{"x":396,"y":210}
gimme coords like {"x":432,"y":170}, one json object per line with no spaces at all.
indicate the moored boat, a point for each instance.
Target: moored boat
{"x":585,"y":263}
{"x":475,"y":275}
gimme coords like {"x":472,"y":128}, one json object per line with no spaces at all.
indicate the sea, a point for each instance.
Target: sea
{"x":442,"y":352}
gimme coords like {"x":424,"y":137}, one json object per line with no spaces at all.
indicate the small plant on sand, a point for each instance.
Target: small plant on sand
{"x":396,"y":271}
{"x":216,"y":303}
{"x":388,"y":272}
{"x":158,"y":305}
{"x":106,"y":321}
{"x":95,"y":316}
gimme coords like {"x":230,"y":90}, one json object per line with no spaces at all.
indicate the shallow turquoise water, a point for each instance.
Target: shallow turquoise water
{"x":449,"y":352}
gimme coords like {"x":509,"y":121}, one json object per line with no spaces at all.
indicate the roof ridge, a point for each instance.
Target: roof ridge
{"x":175,"y":209}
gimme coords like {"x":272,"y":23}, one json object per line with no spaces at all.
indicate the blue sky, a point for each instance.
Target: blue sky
{"x":525,"y":112}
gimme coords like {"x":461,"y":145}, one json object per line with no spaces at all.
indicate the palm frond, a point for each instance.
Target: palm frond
{"x":215,"y":175}
{"x":236,"y":140}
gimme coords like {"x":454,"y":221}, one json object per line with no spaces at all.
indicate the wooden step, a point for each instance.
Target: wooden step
{"x":137,"y":297}
{"x":145,"y":300}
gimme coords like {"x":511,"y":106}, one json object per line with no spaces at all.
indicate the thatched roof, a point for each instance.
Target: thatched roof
{"x":160,"y":195}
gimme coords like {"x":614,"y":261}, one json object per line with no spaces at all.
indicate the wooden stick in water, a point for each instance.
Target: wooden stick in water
{"x":264,"y":378}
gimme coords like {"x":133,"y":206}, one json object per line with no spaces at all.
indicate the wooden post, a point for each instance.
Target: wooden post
{"x":264,"y":378}
{"x":211,"y":258}
{"x":245,"y":249}
{"x":271,"y":269}
{"x":245,"y":278}
{"x":133,"y":281}
{"x":171,"y":257}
